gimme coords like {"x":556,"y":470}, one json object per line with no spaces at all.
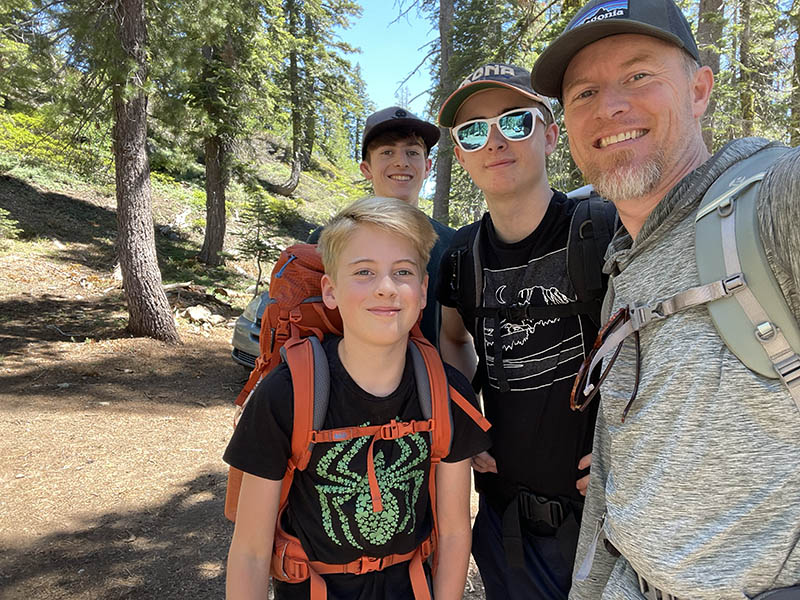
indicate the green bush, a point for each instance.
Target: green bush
{"x":34,"y":139}
{"x":8,"y":227}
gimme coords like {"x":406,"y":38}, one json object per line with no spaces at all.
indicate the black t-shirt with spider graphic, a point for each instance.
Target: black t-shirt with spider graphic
{"x":329,"y":506}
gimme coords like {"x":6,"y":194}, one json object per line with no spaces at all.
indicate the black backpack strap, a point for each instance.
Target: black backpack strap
{"x":466,"y":283}
{"x":591,"y":229}
{"x":466,"y":273}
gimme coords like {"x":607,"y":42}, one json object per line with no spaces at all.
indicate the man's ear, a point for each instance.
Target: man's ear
{"x":702,"y":84}
{"x":328,"y":292}
{"x":366,"y":169}
{"x":424,"y":291}
{"x":428,"y":166}
{"x":550,"y":138}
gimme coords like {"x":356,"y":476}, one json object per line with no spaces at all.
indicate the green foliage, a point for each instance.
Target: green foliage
{"x":8,"y":227}
{"x":260,"y":216}
{"x":35,"y":139}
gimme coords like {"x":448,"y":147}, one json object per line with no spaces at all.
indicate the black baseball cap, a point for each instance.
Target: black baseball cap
{"x":603,"y":18}
{"x":493,"y":75}
{"x":395,"y":117}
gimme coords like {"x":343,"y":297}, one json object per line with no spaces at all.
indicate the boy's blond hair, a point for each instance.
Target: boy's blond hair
{"x":388,"y":214}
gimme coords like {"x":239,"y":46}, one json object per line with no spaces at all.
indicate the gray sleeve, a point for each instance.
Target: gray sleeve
{"x":603,"y":563}
{"x":779,"y":224}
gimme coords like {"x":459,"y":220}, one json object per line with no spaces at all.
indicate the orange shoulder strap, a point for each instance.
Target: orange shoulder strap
{"x":468,"y":408}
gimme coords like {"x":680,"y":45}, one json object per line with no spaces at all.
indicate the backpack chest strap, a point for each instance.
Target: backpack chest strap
{"x":390,"y":431}
{"x":641,"y":315}
{"x":785,"y":361}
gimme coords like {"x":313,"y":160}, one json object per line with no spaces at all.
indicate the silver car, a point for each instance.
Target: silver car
{"x":247,"y":330}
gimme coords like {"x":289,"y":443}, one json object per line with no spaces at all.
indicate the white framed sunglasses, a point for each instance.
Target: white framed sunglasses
{"x":515,"y":125}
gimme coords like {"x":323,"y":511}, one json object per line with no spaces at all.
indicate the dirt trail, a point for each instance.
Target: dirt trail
{"x":111,"y":481}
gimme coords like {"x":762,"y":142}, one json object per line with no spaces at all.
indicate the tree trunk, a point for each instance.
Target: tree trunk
{"x":310,"y":120}
{"x":217,"y":177}
{"x":746,"y":74}
{"x":709,"y":33}
{"x":294,"y":79}
{"x":444,"y":155}
{"x":148,"y":309}
{"x":794,"y":121}
{"x":287,"y":188}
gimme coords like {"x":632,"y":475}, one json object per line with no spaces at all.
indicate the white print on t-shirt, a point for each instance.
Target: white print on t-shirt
{"x":536,"y":352}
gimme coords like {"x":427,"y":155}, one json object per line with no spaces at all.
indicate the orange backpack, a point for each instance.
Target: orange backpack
{"x":292,"y":328}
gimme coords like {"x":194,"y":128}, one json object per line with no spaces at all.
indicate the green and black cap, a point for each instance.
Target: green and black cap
{"x":493,"y":75}
{"x":602,"y":18}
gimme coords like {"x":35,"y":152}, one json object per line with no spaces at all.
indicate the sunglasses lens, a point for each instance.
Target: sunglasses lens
{"x":473,"y":135}
{"x":516,"y":125}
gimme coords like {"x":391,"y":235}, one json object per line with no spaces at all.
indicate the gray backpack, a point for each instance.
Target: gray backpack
{"x":753,"y":319}
{"x":737,"y":283}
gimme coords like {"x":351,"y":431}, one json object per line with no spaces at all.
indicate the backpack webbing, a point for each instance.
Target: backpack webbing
{"x":592,"y":226}
{"x":310,"y":376}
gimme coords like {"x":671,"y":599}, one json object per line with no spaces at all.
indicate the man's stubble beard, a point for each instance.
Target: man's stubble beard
{"x":625,"y":180}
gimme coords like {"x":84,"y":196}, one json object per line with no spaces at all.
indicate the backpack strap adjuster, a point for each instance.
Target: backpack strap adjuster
{"x":789,"y":370}
{"x":734,"y":283}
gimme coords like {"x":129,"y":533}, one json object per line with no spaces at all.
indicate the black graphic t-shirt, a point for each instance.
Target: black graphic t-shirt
{"x":537,"y":439}
{"x":329,"y":507}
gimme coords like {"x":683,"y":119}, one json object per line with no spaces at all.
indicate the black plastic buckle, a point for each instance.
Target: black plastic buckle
{"x":540,"y":508}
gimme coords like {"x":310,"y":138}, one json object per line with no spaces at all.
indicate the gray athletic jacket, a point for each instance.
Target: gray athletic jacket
{"x":701,"y":484}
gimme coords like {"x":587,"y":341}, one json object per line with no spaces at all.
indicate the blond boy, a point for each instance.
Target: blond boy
{"x":374,"y":252}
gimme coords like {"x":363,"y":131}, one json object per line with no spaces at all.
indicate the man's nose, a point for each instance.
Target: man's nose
{"x":613,"y":102}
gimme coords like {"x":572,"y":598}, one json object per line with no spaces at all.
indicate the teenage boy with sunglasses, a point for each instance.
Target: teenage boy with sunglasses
{"x":532,"y":480}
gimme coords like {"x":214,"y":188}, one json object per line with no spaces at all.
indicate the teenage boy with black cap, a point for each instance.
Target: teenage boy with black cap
{"x":505,"y":279}
{"x":698,"y":489}
{"x":395,"y":157}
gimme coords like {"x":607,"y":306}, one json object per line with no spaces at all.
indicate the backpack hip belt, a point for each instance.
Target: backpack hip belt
{"x":290,"y":564}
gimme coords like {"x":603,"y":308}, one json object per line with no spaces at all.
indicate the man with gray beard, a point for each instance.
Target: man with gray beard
{"x":695,"y":482}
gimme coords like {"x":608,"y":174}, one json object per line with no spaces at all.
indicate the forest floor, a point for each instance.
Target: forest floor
{"x":111,"y":478}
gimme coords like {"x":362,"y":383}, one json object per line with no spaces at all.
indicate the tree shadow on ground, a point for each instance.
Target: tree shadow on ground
{"x":89,"y":232}
{"x":140,"y":377}
{"x":32,"y":320}
{"x":64,"y":218}
{"x":175,"y":550}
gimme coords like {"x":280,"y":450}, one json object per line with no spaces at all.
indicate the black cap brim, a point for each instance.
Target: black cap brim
{"x":429,"y":132}
{"x":547,"y":76}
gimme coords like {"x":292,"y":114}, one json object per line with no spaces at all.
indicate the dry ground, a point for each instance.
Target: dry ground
{"x":111,"y":482}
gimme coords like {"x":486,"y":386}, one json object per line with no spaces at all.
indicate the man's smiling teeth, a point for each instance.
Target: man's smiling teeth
{"x":621,"y":137}
{"x":400,"y":177}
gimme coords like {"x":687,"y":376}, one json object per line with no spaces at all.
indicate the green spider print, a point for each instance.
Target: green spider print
{"x":400,"y":484}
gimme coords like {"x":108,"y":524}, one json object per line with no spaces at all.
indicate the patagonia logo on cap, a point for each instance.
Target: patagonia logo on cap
{"x":614,"y":9}
{"x":487,"y":71}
